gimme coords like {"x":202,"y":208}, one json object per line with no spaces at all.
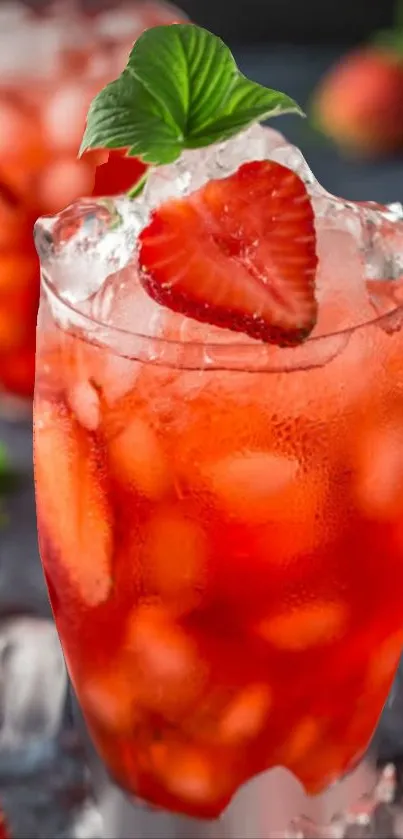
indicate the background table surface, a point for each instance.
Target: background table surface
{"x":296,"y":72}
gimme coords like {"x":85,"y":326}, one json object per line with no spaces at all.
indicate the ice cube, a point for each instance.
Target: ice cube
{"x":175,"y":180}
{"x":341,"y":287}
{"x":384,"y":246}
{"x":256,"y":143}
{"x":84,"y":244}
{"x":123,"y":304}
{"x":360,"y":248}
{"x":194,"y":168}
{"x":290,"y":156}
{"x":32,"y":681}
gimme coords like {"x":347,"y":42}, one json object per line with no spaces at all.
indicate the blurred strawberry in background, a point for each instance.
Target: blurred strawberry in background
{"x":359,"y":102}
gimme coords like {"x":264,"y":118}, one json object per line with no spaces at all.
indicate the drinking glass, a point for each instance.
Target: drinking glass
{"x":220,"y":524}
{"x":52,"y":61}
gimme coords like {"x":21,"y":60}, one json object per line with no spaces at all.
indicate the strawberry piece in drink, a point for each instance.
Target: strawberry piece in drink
{"x":138,"y":461}
{"x":175,"y":558}
{"x":200,"y":777}
{"x":378,"y":468}
{"x":246,"y":486}
{"x":163,"y":654}
{"x":273,"y":497}
{"x":72,"y":502}
{"x":238,"y":253}
{"x":110,"y":696}
{"x":245,"y":715}
{"x":306,"y":626}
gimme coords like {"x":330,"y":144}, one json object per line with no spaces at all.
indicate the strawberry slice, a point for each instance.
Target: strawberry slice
{"x":239,"y":253}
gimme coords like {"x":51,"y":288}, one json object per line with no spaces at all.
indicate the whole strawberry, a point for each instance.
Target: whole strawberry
{"x":359,"y":102}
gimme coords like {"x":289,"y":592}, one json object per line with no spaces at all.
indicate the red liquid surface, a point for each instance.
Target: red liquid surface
{"x":42,"y":125}
{"x":223,"y":551}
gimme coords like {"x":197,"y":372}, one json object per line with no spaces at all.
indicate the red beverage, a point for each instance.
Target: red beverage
{"x":52,"y":64}
{"x":220,"y":524}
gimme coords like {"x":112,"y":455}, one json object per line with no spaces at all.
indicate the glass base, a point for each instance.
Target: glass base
{"x":272,"y":806}
{"x":15,"y":408}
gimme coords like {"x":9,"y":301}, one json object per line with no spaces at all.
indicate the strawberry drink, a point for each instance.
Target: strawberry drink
{"x":52,"y":62}
{"x":218,"y":444}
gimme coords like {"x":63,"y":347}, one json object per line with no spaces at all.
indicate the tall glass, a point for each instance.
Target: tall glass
{"x":52,"y":62}
{"x":222,"y":537}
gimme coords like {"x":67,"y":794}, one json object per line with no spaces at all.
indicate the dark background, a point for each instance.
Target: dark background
{"x":292,"y":21}
{"x":289,"y":45}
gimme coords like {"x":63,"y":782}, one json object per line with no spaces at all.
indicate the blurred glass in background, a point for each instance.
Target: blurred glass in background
{"x":53,"y":60}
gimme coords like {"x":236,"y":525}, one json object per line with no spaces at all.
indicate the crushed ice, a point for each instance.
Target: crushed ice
{"x":88,"y":250}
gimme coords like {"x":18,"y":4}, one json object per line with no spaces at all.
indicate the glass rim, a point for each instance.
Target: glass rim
{"x":250,"y":355}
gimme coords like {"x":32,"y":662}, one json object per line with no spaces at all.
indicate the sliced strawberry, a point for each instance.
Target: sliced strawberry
{"x":238,"y":253}
{"x":72,"y":501}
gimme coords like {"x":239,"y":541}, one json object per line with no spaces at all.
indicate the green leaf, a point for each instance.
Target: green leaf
{"x":248,"y":102}
{"x":138,"y":187}
{"x":181,"y":89}
{"x":124,"y":115}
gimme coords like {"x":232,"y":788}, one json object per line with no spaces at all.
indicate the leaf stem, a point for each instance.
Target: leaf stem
{"x":138,"y":187}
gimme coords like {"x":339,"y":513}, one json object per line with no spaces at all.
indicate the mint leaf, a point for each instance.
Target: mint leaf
{"x":181,"y":89}
{"x":124,"y":115}
{"x":248,"y":102}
